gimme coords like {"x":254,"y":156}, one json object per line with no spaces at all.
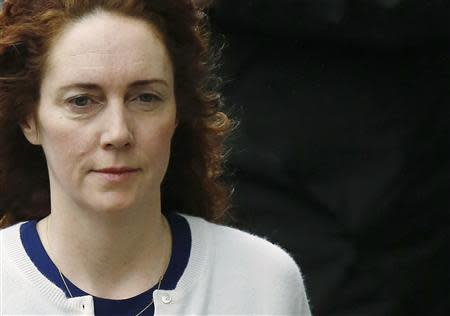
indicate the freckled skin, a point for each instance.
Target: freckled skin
{"x":118,"y":127}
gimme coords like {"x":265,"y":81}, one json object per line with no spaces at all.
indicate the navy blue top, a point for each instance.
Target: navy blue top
{"x":181,"y":249}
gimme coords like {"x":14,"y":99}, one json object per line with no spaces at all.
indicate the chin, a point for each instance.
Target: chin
{"x":114,"y":204}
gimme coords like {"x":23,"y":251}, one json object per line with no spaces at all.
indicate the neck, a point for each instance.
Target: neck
{"x":108,"y":255}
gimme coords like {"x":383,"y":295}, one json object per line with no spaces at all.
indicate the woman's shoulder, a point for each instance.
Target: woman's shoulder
{"x":10,"y":240}
{"x":246,"y":267}
{"x":11,"y":245}
{"x":232,"y":244}
{"x":10,"y":232}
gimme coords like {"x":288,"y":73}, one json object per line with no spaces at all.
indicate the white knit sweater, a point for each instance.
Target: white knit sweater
{"x":229,"y":273}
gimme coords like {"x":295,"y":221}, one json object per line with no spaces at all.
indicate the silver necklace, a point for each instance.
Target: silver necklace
{"x":143,"y":310}
{"x":70,"y":293}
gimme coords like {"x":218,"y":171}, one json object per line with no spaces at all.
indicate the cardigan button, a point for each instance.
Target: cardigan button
{"x":166,"y":299}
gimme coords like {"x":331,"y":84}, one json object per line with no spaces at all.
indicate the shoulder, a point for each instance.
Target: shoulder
{"x":10,"y":242}
{"x":241,"y":250}
{"x":246,"y":268}
{"x":10,"y":234}
{"x":13,"y":254}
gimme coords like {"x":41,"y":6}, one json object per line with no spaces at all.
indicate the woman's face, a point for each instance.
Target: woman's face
{"x":106,"y":114}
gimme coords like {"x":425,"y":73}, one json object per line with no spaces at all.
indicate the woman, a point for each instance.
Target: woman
{"x":109,"y":127}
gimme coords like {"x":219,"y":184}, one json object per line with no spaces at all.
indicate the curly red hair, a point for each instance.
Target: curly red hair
{"x":193,"y":183}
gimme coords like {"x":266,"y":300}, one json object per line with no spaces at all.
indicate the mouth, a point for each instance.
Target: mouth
{"x":116,"y":170}
{"x":116,"y":174}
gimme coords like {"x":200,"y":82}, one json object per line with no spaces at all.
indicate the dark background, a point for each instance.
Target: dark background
{"x":342,"y":154}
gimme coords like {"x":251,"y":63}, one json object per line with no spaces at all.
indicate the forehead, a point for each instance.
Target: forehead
{"x":105,"y":46}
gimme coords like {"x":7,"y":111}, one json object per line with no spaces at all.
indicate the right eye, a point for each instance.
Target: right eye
{"x":81,"y":101}
{"x":83,"y":104}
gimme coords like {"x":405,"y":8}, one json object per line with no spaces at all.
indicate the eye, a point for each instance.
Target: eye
{"x":83,"y":104}
{"x":147,"y":98}
{"x":81,"y":101}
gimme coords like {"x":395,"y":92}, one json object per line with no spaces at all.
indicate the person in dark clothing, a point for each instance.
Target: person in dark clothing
{"x":342,"y":154}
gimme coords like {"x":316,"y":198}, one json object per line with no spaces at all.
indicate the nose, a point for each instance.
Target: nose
{"x":118,"y":130}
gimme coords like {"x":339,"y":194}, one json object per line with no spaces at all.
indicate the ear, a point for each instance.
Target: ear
{"x":29,"y":129}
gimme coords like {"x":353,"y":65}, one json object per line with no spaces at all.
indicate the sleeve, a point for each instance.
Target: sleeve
{"x":279,"y":273}
{"x":291,"y":289}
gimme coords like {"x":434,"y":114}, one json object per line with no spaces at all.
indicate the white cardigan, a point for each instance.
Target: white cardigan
{"x":229,"y":273}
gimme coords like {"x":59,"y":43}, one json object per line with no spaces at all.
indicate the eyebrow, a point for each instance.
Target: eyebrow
{"x":93,"y":86}
{"x":141,"y":83}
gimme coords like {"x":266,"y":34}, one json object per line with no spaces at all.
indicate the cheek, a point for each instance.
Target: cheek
{"x":63,"y":145}
{"x":159,"y":142}
{"x":166,"y":132}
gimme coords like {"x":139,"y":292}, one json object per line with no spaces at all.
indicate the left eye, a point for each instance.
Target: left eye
{"x":147,"y":97}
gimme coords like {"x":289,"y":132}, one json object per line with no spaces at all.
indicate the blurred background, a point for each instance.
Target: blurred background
{"x":342,"y":155}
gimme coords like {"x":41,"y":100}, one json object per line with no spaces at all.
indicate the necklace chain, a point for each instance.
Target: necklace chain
{"x":70,"y":293}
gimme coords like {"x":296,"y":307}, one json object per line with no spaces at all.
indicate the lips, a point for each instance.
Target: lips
{"x":116,"y":174}
{"x":116,"y":170}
